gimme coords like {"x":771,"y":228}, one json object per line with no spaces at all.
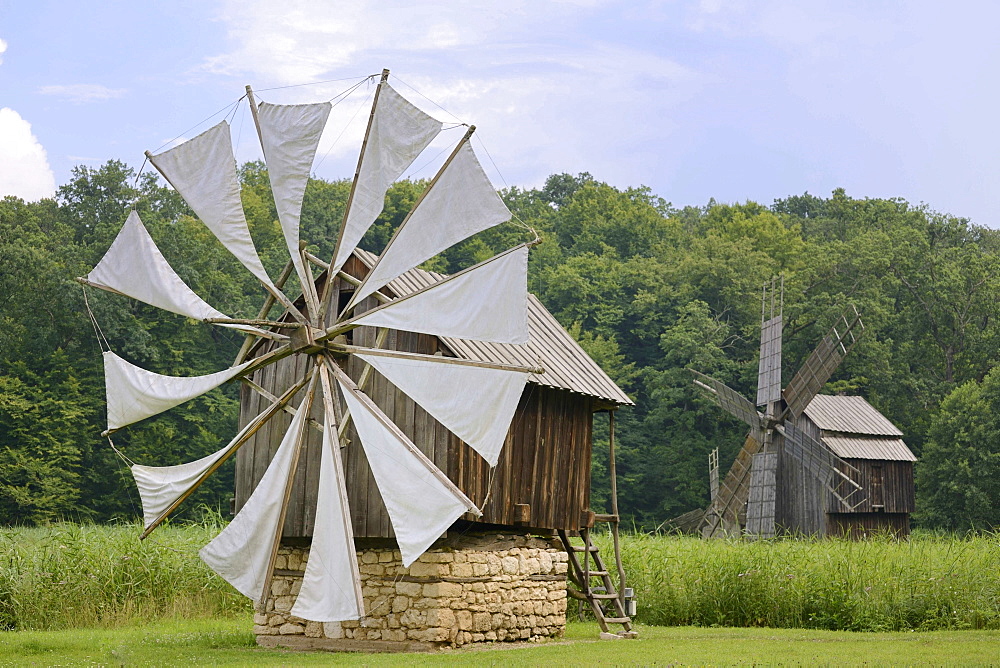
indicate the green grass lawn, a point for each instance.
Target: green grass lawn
{"x":230,"y":642}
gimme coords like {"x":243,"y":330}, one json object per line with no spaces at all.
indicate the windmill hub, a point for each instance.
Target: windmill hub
{"x":303,"y":340}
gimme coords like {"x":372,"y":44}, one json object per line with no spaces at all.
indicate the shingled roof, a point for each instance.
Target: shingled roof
{"x":852,"y":428}
{"x":567,"y":366}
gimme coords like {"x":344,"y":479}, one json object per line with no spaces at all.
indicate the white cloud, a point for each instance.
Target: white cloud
{"x":82,"y":93}
{"x":546,"y":95}
{"x":24,"y":167}
{"x":3,"y":47}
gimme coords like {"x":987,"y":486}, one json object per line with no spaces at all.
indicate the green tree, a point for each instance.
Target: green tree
{"x":958,"y":476}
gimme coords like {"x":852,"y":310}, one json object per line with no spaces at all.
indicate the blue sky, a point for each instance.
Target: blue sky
{"x":696,"y":99}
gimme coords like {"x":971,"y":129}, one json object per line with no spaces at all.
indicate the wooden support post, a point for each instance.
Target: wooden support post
{"x":306,"y":406}
{"x":614,"y":507}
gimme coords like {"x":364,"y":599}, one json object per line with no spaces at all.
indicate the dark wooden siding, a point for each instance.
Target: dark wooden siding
{"x":801,"y":506}
{"x":863,"y":525}
{"x":545,"y":462}
{"x":893,"y":478}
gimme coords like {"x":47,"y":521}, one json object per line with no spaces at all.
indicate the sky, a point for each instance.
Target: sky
{"x":696,"y":99}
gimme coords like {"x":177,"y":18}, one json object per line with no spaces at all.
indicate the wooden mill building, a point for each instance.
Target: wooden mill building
{"x":542,"y":480}
{"x":864,"y":438}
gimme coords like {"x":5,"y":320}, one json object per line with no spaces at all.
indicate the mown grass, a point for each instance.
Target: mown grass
{"x":228,"y":641}
{"x":76,"y":576}
{"x":929,"y":582}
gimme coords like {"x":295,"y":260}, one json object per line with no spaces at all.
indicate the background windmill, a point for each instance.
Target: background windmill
{"x":749,"y":497}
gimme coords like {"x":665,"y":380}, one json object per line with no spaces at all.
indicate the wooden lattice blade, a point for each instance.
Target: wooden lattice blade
{"x":822,"y":362}
{"x":722,"y":516}
{"x":762,"y":496}
{"x":731,"y":401}
{"x":769,"y":367}
{"x":822,"y":463}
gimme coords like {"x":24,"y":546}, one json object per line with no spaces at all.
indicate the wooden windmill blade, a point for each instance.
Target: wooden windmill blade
{"x":769,"y":369}
{"x":723,"y":515}
{"x":732,"y":402}
{"x":835,"y":473}
{"x":769,"y":366}
{"x":822,"y":362}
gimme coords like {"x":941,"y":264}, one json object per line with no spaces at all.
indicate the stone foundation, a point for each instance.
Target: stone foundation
{"x":483,"y":588}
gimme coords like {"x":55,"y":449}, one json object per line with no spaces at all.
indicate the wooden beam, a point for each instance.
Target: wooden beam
{"x":464,"y":140}
{"x":399,"y":354}
{"x":306,"y":405}
{"x":330,"y":416}
{"x":404,"y":439}
{"x":265,"y":309}
{"x":350,"y":196}
{"x":245,"y":435}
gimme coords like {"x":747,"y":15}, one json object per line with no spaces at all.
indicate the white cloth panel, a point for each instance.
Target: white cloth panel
{"x":290,"y":134}
{"x":461,"y":203}
{"x":241,"y":551}
{"x":487,"y":303}
{"x":160,"y":486}
{"x":135,"y":267}
{"x":420,"y":506}
{"x":135,"y":394}
{"x":203,"y":171}
{"x":328,"y":593}
{"x":399,"y":132}
{"x":475,"y":403}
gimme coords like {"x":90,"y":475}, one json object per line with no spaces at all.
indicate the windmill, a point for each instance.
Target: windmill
{"x":753,"y":481}
{"x":486,"y":302}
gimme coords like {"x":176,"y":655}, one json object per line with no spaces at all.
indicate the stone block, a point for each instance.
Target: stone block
{"x":443,"y":590}
{"x":260,"y":630}
{"x":314,"y":629}
{"x":482,"y":621}
{"x":291,"y":629}
{"x":400,"y":603}
{"x":411,"y":589}
{"x":422,"y":569}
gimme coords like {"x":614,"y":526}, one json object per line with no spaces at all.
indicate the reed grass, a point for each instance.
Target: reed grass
{"x":930,"y":582}
{"x":84,"y":576}
{"x":74,"y":576}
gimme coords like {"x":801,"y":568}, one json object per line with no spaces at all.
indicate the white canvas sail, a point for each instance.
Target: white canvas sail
{"x":328,"y":592}
{"x":461,"y":203}
{"x":203,"y":171}
{"x":487,"y":303}
{"x":475,"y":403}
{"x":241,"y":552}
{"x":135,"y":394}
{"x":134,"y":266}
{"x":399,"y":132}
{"x":421,"y":506}
{"x":160,"y":486}
{"x":289,"y":135}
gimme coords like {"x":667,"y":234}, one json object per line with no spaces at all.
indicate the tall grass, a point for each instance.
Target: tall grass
{"x":70,"y":576}
{"x":929,"y":582}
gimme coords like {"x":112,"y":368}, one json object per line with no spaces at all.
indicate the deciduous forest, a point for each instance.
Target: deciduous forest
{"x":649,"y":290}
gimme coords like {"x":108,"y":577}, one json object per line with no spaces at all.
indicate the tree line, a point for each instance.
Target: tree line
{"x":649,"y":291}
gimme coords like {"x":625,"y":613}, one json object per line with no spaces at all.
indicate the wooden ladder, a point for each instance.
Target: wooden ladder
{"x":599,"y":597}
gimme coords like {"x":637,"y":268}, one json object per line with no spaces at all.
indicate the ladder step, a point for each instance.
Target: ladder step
{"x":618,"y":620}
{"x":605,"y":518}
{"x":584,"y":548}
{"x":597,"y":574}
{"x":606,"y":597}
